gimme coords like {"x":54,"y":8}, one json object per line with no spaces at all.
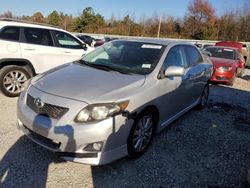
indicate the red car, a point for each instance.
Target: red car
{"x":228,"y":63}
{"x":243,"y":48}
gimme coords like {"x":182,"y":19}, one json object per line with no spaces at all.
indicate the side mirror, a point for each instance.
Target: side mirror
{"x":84,"y":46}
{"x":174,"y":71}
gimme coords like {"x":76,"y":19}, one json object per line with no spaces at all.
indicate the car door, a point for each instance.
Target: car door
{"x":38,"y":47}
{"x":174,"y":91}
{"x":71,"y":48}
{"x":195,"y":72}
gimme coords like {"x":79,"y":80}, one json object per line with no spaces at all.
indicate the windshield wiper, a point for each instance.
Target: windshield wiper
{"x":97,"y":66}
{"x":105,"y":67}
{"x":122,"y":71}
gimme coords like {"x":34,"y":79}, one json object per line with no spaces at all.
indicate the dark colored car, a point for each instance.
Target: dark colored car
{"x":99,"y":42}
{"x":228,"y":63}
{"x":86,"y":39}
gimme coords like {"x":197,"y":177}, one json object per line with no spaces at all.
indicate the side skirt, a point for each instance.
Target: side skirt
{"x":170,"y":120}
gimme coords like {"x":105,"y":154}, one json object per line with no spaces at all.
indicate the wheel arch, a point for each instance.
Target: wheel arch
{"x":153,"y":110}
{"x":18,"y":62}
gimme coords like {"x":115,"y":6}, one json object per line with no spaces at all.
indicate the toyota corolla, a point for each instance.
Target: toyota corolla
{"x":110,"y":103}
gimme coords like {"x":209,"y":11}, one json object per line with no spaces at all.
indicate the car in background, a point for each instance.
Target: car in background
{"x":228,"y":63}
{"x":110,"y":103}
{"x":203,"y":45}
{"x":206,"y":45}
{"x":243,"y":48}
{"x":99,"y":42}
{"x":87,"y":39}
{"x":28,"y":49}
{"x":246,"y":49}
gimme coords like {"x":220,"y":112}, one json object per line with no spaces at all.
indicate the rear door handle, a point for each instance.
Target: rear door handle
{"x":66,"y":52}
{"x":30,"y":49}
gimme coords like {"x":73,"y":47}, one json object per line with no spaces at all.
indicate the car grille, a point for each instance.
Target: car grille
{"x":47,"y":110}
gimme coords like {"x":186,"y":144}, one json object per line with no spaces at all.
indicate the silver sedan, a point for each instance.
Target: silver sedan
{"x":110,"y":103}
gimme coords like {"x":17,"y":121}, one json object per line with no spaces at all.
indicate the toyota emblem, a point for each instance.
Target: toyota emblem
{"x":38,"y":102}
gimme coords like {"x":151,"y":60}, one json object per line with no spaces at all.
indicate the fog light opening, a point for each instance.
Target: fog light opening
{"x":96,"y":146}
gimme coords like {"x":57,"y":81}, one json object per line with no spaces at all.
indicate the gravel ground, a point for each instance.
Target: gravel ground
{"x":208,"y":148}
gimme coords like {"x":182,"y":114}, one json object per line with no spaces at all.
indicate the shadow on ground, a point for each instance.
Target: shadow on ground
{"x":25,"y":165}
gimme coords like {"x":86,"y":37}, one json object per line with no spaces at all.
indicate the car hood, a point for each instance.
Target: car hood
{"x":87,"y":84}
{"x":220,"y":62}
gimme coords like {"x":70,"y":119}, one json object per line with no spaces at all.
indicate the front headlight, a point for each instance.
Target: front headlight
{"x":98,"y":112}
{"x":225,"y":69}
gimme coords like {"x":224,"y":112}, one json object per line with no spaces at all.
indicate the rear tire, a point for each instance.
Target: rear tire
{"x":204,"y":98}
{"x":141,"y":134}
{"x":13,"y":80}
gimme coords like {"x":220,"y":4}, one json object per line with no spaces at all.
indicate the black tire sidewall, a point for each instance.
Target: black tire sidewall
{"x":200,"y":105}
{"x":6,"y":70}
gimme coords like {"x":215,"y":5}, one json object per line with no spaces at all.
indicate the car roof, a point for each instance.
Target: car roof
{"x":227,"y":47}
{"x":158,"y":41}
{"x":20,"y":23}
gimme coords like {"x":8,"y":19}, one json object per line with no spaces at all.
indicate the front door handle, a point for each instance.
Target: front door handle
{"x":30,"y":49}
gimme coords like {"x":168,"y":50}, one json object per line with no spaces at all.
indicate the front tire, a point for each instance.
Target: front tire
{"x":13,"y":80}
{"x":141,"y":134}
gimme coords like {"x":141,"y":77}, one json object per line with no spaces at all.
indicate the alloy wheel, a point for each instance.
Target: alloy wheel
{"x":142,"y":133}
{"x":15,"y":81}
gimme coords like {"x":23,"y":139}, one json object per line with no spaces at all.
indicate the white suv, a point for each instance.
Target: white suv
{"x":28,"y":49}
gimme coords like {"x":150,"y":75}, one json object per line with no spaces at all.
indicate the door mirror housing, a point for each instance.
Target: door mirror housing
{"x":174,"y":71}
{"x":84,"y":46}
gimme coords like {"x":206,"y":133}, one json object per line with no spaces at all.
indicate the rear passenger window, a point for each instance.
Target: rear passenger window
{"x":38,"y":36}
{"x":193,"y":55}
{"x":66,"y":41}
{"x":10,"y":33}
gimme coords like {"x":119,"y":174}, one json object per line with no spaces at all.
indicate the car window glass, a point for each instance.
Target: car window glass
{"x":129,"y":56}
{"x":10,"y":33}
{"x":66,"y":41}
{"x":193,"y":55}
{"x":176,"y":57}
{"x":38,"y":36}
{"x":219,"y":52}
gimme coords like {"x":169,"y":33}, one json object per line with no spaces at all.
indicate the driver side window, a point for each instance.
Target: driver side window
{"x":176,"y":57}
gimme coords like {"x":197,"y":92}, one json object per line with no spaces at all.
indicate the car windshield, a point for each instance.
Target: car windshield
{"x":225,"y":53}
{"x":125,"y":56}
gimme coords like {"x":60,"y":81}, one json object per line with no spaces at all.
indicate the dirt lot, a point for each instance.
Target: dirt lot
{"x":208,"y":148}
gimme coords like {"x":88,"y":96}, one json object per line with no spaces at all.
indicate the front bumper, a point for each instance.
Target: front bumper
{"x":222,"y":77}
{"x":70,"y":139}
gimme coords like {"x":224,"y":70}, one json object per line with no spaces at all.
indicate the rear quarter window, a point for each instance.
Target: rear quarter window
{"x":10,"y":33}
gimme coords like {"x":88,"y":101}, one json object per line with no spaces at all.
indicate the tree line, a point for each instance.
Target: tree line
{"x":200,"y":22}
